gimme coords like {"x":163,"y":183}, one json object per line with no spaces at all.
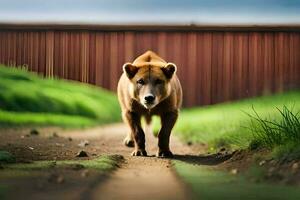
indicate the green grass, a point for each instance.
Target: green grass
{"x":228,"y":124}
{"x":103,"y":163}
{"x":27,"y":99}
{"x":207,"y":183}
{"x":9,"y":118}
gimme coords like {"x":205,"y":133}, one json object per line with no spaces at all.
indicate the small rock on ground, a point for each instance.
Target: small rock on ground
{"x":83,"y":143}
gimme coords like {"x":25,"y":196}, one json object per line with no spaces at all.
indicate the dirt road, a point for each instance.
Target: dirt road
{"x":137,"y":178}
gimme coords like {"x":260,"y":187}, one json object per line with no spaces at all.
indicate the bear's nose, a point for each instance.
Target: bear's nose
{"x":149,"y":98}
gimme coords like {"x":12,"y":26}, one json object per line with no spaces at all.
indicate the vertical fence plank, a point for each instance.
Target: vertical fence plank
{"x":228,"y":73}
{"x":268,"y":62}
{"x":192,"y":68}
{"x":217,"y":67}
{"x":203,"y":73}
{"x":99,"y":59}
{"x":49,"y":53}
{"x":57,"y":54}
{"x":84,"y":52}
{"x":295,"y":60}
{"x":113,"y":56}
{"x":92,"y":58}
{"x":279,"y":61}
{"x":255,"y":64}
{"x":162,"y":44}
{"x":121,"y":56}
{"x":36,"y":37}
{"x":129,"y":46}
{"x":240,"y":65}
{"x":106,"y":58}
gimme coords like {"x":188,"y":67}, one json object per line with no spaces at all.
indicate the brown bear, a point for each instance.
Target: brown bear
{"x":149,"y":86}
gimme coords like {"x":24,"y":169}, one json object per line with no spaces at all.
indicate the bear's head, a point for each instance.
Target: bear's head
{"x":149,"y":83}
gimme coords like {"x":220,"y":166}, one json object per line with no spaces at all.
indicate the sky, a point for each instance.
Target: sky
{"x":151,"y":11}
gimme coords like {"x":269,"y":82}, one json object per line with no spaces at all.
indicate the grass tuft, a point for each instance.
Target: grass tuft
{"x":270,"y":133}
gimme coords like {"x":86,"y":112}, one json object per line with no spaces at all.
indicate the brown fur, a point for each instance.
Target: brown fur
{"x":149,"y":75}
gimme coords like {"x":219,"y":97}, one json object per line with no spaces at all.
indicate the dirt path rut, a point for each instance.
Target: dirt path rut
{"x":138,"y":177}
{"x":142,"y":177}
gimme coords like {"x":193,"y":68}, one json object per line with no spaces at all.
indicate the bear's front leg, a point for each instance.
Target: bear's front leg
{"x":168,"y":121}
{"x":134,"y":121}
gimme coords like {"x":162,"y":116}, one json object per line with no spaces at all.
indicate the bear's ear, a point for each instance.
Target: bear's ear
{"x":130,"y":70}
{"x":169,"y":69}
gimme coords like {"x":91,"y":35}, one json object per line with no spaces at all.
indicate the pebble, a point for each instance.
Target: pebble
{"x":295,"y":167}
{"x":59,"y":144}
{"x":26,"y":135}
{"x":83,"y":143}
{"x":234,"y":171}
{"x":31,"y":148}
{"x":60,"y":179}
{"x":261,"y":163}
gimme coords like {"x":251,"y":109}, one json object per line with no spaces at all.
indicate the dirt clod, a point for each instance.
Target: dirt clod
{"x":55,"y":135}
{"x":271,"y":170}
{"x":34,"y":132}
{"x":222,"y":149}
{"x":81,"y":154}
{"x":56,"y":178}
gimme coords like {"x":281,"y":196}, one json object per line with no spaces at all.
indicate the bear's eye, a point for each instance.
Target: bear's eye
{"x":141,"y":82}
{"x":159,"y":81}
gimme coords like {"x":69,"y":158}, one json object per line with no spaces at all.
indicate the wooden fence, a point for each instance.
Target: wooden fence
{"x":213,"y":66}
